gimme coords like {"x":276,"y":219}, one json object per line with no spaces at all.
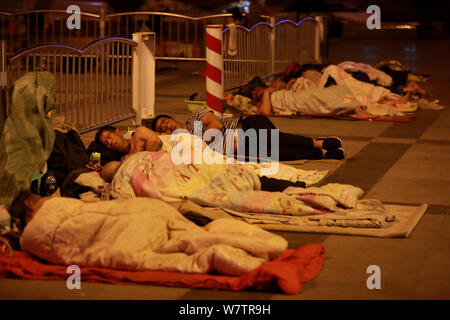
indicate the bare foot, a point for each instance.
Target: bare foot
{"x":363,"y":115}
{"x":318,"y":143}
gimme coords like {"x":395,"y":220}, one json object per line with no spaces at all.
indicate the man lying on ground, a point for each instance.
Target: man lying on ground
{"x":143,"y":139}
{"x":330,"y":100}
{"x":289,"y":147}
{"x":312,"y":95}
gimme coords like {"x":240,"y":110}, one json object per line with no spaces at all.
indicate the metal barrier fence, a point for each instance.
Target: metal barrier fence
{"x":3,"y":92}
{"x":98,"y":78}
{"x":177,"y":36}
{"x":93,"y":86}
{"x":267,"y":49}
{"x":28,"y":28}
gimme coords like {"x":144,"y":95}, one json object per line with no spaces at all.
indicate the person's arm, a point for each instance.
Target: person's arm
{"x":265,"y":107}
{"x":212,"y":122}
{"x":144,"y":139}
{"x":414,"y":87}
{"x":402,"y":100}
{"x":278,"y":84}
{"x":290,"y":83}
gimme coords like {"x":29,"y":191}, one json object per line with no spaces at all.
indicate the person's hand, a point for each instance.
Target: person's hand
{"x":290,"y":83}
{"x":277,"y":84}
{"x":94,"y":167}
{"x":228,"y":98}
{"x":413,"y":87}
{"x":269,"y":90}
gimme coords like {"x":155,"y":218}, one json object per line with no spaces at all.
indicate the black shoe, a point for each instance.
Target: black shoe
{"x":337,"y":154}
{"x":331,"y":142}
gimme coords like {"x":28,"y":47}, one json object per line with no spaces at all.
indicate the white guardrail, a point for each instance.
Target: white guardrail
{"x":94,"y":84}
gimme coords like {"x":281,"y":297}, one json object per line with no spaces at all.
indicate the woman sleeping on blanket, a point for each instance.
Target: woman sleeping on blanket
{"x":138,"y":234}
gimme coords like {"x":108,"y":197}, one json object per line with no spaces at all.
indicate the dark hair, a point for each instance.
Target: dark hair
{"x":247,"y":89}
{"x":157,"y":118}
{"x":237,"y":14}
{"x":18,"y":207}
{"x":100,"y":131}
{"x":296,"y":70}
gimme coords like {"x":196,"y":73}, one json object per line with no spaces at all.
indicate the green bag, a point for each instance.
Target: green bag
{"x":28,"y":135}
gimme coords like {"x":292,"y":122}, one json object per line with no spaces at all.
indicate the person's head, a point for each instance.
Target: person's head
{"x":109,"y":170}
{"x":253,"y":89}
{"x":165,"y":124}
{"x":112,"y":138}
{"x":257,"y":93}
{"x":25,"y":205}
{"x":237,"y":14}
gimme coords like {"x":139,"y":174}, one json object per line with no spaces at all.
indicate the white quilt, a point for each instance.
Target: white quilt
{"x":144,"y":234}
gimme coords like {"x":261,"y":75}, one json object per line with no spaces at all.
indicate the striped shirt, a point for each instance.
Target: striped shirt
{"x":194,"y":128}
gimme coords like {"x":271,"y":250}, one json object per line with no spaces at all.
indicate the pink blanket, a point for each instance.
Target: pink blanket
{"x":231,"y":186}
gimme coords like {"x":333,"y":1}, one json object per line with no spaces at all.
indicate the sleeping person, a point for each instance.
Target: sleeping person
{"x":312,"y":95}
{"x":138,"y":234}
{"x":336,"y":99}
{"x":289,"y":147}
{"x":205,"y":174}
{"x":233,"y":186}
{"x":143,"y":139}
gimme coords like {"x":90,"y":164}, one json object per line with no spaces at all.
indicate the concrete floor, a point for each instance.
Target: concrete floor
{"x":397,"y":163}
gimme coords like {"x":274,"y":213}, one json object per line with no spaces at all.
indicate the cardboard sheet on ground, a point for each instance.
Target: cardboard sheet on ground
{"x":406,"y":219}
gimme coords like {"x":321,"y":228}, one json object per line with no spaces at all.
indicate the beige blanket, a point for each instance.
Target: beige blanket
{"x":144,"y":234}
{"x":406,"y":218}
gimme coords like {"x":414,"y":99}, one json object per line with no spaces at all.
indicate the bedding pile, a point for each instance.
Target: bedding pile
{"x":148,"y":241}
{"x":154,"y":175}
{"x":335,"y":90}
{"x":144,"y":234}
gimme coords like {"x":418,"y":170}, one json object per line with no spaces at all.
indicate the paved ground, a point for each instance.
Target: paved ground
{"x":401,"y":163}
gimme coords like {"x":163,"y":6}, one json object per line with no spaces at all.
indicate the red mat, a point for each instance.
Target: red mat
{"x":287,"y":273}
{"x":405,"y":118}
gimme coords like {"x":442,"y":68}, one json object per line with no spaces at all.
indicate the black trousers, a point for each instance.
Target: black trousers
{"x":274,"y":185}
{"x":290,"y":146}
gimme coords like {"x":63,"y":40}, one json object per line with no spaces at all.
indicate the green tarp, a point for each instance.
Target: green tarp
{"x":28,"y":135}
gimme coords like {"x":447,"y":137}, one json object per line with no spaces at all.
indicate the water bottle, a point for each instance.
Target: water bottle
{"x":95,"y":158}
{"x":50,"y":184}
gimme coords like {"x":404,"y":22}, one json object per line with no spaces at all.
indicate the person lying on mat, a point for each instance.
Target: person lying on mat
{"x":333,"y":91}
{"x":143,"y":139}
{"x":235,"y":186}
{"x":138,"y":234}
{"x":290,"y":146}
{"x":330,"y":100}
{"x":110,"y":170}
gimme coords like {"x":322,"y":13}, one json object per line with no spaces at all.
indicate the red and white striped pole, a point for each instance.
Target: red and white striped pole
{"x":214,"y":67}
